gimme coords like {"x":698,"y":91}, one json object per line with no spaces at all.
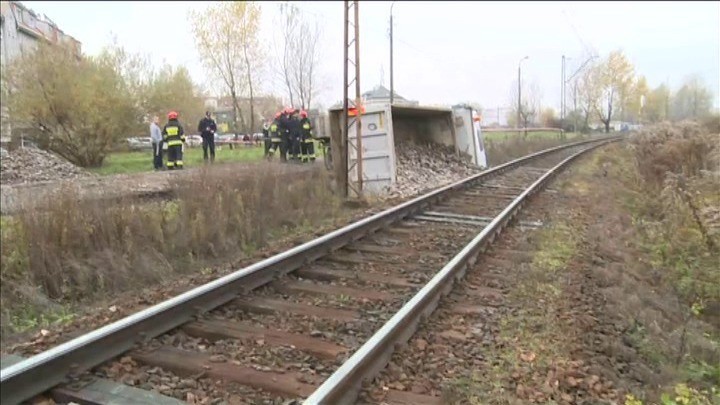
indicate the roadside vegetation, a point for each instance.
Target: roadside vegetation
{"x":81,"y":251}
{"x":504,"y":149}
{"x":621,"y":303}
{"x":511,"y":134}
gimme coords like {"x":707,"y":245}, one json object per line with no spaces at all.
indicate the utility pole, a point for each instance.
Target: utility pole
{"x":356,"y":121}
{"x":519,"y":92}
{"x":575,"y":108}
{"x":392,"y":82}
{"x":562,"y":93}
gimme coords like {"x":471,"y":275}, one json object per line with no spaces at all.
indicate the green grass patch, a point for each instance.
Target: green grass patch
{"x":141,"y":161}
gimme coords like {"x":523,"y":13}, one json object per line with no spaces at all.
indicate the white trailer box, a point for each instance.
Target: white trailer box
{"x":384,"y":127}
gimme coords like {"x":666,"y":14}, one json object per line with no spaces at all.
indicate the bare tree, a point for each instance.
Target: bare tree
{"x":529,"y":105}
{"x":226,"y":37}
{"x":299,"y":55}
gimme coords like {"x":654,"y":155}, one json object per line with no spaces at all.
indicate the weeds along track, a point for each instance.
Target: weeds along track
{"x":311,"y":322}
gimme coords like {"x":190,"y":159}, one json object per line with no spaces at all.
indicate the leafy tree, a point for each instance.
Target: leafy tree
{"x":614,"y":77}
{"x":548,"y":118}
{"x":657,"y":104}
{"x":635,"y":105}
{"x":693,"y":100}
{"x":173,"y":89}
{"x":79,"y":106}
{"x":226,"y":35}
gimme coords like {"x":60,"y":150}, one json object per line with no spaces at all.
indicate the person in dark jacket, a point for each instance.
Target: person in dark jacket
{"x":174,"y":135}
{"x":284,"y":125}
{"x":295,"y":136}
{"x":207,"y":128}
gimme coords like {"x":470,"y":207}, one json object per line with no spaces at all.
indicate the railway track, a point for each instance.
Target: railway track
{"x":311,"y":322}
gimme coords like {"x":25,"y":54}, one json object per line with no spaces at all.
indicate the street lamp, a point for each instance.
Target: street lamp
{"x":519,"y":91}
{"x":392,"y":82}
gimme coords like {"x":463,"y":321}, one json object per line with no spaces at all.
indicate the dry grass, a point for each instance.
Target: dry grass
{"x":501,"y":151}
{"x":673,"y":192}
{"x":78,"y":251}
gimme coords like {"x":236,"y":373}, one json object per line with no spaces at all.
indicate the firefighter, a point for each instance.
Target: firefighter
{"x":285,"y":126}
{"x":174,"y":135}
{"x":308,"y":139}
{"x":266,"y":137}
{"x":295,"y":133}
{"x":275,"y":136}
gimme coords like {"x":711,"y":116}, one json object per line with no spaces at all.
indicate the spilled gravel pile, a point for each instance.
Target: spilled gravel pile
{"x":29,"y":165}
{"x":425,"y":167}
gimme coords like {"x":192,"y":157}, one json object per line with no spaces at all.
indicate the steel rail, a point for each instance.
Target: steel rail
{"x":343,"y":386}
{"x":66,"y":361}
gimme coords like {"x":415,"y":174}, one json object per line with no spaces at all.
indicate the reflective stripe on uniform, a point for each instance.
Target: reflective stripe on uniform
{"x":174,"y":143}
{"x":178,"y":163}
{"x":309,"y":140}
{"x":170,"y":164}
{"x":306,"y":126}
{"x":172,"y":131}
{"x":275,"y":139}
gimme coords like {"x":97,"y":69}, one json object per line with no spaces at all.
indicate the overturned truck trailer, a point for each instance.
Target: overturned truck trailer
{"x":384,"y":127}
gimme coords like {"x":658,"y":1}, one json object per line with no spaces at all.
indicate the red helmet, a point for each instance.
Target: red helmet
{"x":172,"y":115}
{"x":278,"y":114}
{"x":303,"y":114}
{"x":289,"y":110}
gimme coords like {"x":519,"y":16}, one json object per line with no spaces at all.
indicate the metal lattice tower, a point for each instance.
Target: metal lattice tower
{"x":354,"y":186}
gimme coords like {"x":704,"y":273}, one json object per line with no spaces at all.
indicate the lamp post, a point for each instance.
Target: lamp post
{"x":392,"y":82}
{"x":519,"y":91}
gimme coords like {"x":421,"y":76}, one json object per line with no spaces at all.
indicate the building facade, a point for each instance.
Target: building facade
{"x":381,"y":95}
{"x":20,"y":30}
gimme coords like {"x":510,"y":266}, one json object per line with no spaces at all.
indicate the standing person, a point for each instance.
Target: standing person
{"x":295,"y":136}
{"x":307,"y":146}
{"x":284,"y":126}
{"x":157,"y":143}
{"x":266,"y":136}
{"x":207,"y":128}
{"x":174,"y":134}
{"x":275,"y":135}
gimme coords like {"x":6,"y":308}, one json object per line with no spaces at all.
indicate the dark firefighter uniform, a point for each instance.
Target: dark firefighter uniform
{"x":284,"y":127}
{"x":307,"y":151}
{"x":275,"y":136}
{"x":174,"y":135}
{"x":266,"y":138}
{"x":295,"y":136}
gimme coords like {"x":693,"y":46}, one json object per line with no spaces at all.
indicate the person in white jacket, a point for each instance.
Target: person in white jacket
{"x":157,"y":141}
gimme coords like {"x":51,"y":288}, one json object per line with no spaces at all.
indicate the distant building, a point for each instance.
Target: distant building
{"x":222,"y":108}
{"x":20,"y":31}
{"x":381,"y":95}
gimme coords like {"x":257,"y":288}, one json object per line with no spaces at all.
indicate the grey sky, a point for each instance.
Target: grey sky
{"x":445,"y":52}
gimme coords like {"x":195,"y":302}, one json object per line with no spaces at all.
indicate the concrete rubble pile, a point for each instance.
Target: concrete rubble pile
{"x":29,"y":165}
{"x":421,"y":168}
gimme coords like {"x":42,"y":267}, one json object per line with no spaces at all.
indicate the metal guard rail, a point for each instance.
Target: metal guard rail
{"x":35,"y":375}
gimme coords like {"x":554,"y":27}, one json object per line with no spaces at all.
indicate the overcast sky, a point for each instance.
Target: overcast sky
{"x":445,"y":52}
